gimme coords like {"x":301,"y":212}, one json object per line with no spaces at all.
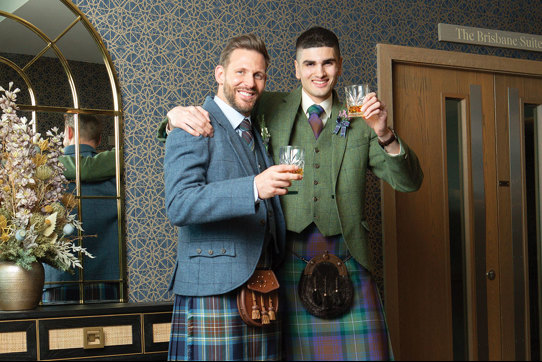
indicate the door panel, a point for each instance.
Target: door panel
{"x":513,"y":94}
{"x":423,"y":252}
{"x":484,"y":315}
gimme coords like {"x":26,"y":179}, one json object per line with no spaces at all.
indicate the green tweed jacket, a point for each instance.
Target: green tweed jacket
{"x":100,"y":167}
{"x":352,"y":156}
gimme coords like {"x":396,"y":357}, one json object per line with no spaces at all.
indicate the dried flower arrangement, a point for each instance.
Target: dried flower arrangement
{"x":36,"y":218}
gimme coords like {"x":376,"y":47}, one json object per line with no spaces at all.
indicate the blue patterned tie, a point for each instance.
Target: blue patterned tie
{"x":246,"y":133}
{"x":314,"y":119}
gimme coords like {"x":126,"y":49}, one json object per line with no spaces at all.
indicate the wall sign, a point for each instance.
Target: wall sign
{"x":489,"y":37}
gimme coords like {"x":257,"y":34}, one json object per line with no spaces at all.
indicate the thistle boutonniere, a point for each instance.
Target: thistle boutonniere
{"x":264,"y":132}
{"x":343,"y":122}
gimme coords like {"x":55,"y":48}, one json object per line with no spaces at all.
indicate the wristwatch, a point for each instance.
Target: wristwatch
{"x":389,"y":141}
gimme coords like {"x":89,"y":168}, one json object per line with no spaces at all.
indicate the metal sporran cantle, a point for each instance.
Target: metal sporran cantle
{"x":258,"y":299}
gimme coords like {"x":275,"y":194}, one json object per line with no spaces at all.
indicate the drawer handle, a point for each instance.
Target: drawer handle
{"x":93,"y":337}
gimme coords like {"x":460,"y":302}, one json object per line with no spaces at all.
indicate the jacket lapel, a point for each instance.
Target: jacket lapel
{"x":338,"y":143}
{"x":275,"y":202}
{"x":284,"y":119}
{"x":232,"y":136}
{"x":261,"y":147}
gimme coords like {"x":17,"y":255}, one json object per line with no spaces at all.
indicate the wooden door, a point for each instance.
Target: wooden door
{"x":519,"y":125}
{"x":456,"y":252}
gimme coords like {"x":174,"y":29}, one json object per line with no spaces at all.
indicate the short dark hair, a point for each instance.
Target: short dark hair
{"x":246,"y":41}
{"x":90,"y":127}
{"x":317,"y":37}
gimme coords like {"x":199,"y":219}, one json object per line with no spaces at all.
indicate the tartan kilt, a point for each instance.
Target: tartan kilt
{"x":360,"y":334}
{"x":210,"y":328}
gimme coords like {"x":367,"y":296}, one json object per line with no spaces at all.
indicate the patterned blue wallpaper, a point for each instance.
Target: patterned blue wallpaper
{"x":165,"y":52}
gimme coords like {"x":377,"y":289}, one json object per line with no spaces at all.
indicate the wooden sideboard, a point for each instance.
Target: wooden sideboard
{"x":116,"y":331}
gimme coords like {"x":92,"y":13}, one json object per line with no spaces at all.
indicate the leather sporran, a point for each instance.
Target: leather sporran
{"x":258,"y":299}
{"x":325,"y":288}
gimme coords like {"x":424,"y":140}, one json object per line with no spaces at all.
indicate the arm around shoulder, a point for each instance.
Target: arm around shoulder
{"x":93,"y":169}
{"x":161,"y":132}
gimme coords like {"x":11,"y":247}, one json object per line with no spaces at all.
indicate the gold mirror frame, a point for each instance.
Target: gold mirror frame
{"x":116,"y":113}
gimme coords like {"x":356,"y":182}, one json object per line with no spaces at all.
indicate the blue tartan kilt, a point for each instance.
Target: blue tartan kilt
{"x":359,"y":335}
{"x":210,"y":328}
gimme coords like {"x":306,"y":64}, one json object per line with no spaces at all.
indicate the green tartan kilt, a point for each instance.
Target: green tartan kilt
{"x":358,"y":335}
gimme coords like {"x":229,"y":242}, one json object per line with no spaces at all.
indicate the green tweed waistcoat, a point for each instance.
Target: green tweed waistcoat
{"x":314,"y":200}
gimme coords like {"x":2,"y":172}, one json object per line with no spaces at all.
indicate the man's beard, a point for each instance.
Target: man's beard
{"x":244,"y":109}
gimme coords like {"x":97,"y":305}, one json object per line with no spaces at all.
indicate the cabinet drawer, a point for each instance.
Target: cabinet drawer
{"x":90,"y":336}
{"x":18,"y":341}
{"x":157,"y":327}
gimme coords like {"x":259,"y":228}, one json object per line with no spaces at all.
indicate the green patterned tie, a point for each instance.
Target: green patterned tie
{"x":315,"y":111}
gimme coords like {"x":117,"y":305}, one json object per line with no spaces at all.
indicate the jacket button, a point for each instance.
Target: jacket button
{"x":315,"y":199}
{"x":316,"y":165}
{"x":198,"y":251}
{"x":316,"y":150}
{"x":262,"y":221}
{"x":223,"y":251}
{"x":315,"y":182}
{"x":210,"y":252}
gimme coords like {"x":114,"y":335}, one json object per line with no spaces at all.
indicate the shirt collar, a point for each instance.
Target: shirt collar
{"x":235,"y":118}
{"x":327,"y":105}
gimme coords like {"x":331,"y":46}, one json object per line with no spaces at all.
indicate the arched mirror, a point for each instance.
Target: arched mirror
{"x":51,"y":52}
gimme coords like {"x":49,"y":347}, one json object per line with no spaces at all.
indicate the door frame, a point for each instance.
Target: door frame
{"x":387,"y":55}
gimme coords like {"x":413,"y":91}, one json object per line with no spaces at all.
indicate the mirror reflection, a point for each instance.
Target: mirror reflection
{"x":49,"y":52}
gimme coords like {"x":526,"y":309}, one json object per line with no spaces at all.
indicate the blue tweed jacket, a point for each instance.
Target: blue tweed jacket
{"x":210,"y":196}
